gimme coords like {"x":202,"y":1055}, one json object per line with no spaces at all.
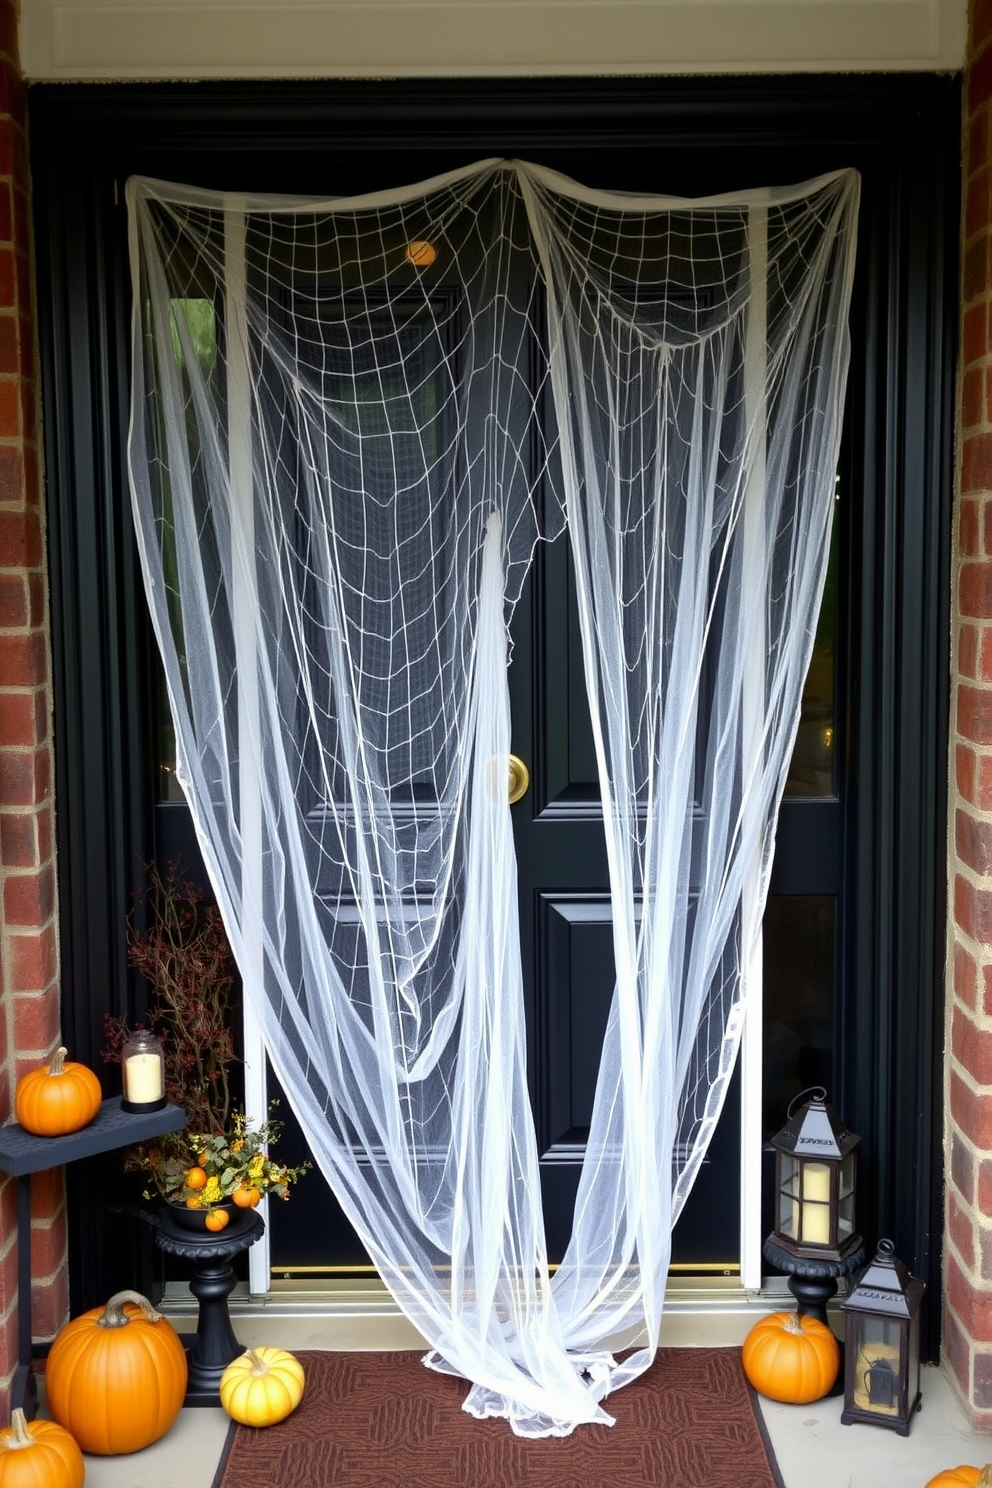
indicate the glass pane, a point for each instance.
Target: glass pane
{"x":913,"y":1359}
{"x":876,"y":1369}
{"x":788,"y":1216}
{"x":788,"y":1198}
{"x":194,"y":329}
{"x":169,"y":788}
{"x":789,"y":1171}
{"x":799,"y":976}
{"x":812,"y":771}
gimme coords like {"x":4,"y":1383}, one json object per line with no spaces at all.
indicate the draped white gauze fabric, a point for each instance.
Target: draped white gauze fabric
{"x":351,"y":422}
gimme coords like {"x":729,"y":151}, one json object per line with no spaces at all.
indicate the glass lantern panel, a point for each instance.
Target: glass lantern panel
{"x":877,"y":1366}
{"x":788,"y":1173}
{"x":788,"y":1197}
{"x":788,"y":1215}
{"x":816,"y":1223}
{"x":913,"y":1361}
{"x":845,"y":1216}
{"x":847,"y":1175}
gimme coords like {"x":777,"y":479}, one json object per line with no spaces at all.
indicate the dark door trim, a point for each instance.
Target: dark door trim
{"x":902,"y":132}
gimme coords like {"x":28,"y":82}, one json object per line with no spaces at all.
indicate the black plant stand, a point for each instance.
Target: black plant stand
{"x":212,"y":1282}
{"x":813,"y":1283}
{"x":21,"y":1154}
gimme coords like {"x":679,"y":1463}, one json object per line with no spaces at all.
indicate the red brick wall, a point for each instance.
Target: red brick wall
{"x":967,"y":1330}
{"x":29,"y":993}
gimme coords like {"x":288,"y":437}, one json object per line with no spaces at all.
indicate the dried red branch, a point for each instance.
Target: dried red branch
{"x":183,"y":953}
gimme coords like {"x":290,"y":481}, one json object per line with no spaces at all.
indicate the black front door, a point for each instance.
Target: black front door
{"x":566,"y":935}
{"x":853,"y":934}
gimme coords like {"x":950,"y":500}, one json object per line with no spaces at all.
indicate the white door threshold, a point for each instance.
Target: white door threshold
{"x":359,"y":1313}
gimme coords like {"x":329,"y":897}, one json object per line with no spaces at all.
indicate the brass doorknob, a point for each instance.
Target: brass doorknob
{"x":519,"y":779}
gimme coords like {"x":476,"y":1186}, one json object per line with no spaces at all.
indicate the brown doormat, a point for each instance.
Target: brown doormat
{"x":374,"y":1420}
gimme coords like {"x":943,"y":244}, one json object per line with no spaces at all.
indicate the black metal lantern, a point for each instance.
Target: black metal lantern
{"x":815,"y":1183}
{"x":882,"y":1344}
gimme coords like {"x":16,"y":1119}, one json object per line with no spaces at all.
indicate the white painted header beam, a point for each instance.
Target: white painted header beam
{"x":192,"y":39}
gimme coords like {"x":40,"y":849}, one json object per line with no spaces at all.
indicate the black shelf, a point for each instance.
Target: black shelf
{"x":21,"y":1154}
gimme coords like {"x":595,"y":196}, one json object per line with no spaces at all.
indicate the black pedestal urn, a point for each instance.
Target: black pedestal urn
{"x":212,"y":1281}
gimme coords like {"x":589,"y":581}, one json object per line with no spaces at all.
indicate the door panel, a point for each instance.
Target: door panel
{"x":800,"y":1003}
{"x":566,"y":944}
{"x":574,"y":956}
{"x":566,"y":931}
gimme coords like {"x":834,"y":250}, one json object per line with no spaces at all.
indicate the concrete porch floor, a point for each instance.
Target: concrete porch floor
{"x":813,"y":1449}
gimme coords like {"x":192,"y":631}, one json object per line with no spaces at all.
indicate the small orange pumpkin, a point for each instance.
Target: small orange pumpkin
{"x":116,"y":1376}
{"x":957,"y":1477}
{"x":791,"y":1358}
{"x":59,"y":1098}
{"x":38,"y":1454}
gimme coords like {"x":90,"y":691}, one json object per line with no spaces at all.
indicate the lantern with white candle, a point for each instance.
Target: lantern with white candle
{"x":815,"y":1182}
{"x":142,"y":1073}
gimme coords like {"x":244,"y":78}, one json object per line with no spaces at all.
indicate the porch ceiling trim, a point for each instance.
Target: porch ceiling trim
{"x":192,"y":39}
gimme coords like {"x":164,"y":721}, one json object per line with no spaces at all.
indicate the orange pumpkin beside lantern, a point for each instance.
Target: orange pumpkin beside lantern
{"x":791,"y":1358}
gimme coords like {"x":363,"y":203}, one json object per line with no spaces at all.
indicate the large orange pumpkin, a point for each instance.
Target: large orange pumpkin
{"x":61,"y":1097}
{"x":39,"y":1454}
{"x":957,"y":1477}
{"x":791,"y":1358}
{"x":116,"y":1376}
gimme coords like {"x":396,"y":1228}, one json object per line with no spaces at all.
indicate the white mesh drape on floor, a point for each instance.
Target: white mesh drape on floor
{"x":351,"y":422}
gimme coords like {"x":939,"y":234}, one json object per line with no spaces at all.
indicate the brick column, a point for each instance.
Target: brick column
{"x":967,"y":1322}
{"x":29,"y":993}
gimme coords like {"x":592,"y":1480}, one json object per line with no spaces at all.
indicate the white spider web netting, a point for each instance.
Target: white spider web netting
{"x":351,"y":422}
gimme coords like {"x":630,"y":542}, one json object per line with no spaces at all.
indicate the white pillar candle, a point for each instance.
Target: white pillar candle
{"x":143,"y":1078}
{"x":816,"y":1213}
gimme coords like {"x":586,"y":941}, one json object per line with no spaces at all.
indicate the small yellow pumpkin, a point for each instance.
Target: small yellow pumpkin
{"x":59,"y":1098}
{"x":38,"y":1454}
{"x":958,"y":1477}
{"x":791,"y":1358}
{"x":262,"y":1386}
